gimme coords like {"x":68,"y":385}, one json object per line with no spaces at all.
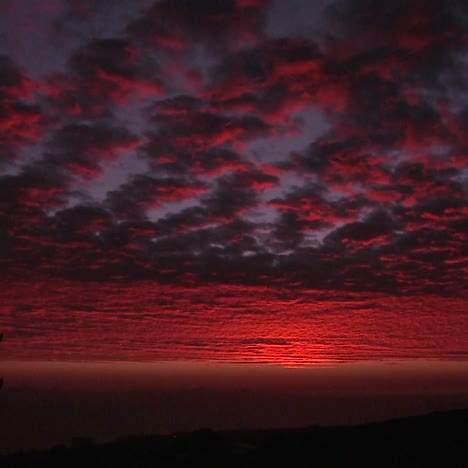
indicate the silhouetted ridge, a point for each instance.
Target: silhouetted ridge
{"x":433,"y":440}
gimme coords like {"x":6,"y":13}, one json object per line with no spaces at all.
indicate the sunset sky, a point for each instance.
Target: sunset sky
{"x":249,"y":184}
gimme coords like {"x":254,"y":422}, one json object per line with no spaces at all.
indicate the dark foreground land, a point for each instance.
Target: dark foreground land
{"x":433,"y":440}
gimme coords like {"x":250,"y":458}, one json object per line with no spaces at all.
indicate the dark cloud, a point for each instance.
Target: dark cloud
{"x":236,"y":193}
{"x":81,"y":149}
{"x":113,"y":56}
{"x":201,"y":130}
{"x":86,"y":19}
{"x":289,"y":230}
{"x":182,"y":221}
{"x":82,"y":220}
{"x":311,"y":206}
{"x":103,"y":73}
{"x":24,"y":201}
{"x":21,"y":119}
{"x":37,"y":185}
{"x":215,"y":23}
{"x":143,"y":193}
{"x":357,"y":189}
{"x":273,"y":80}
{"x":426,"y":29}
{"x":375,"y":228}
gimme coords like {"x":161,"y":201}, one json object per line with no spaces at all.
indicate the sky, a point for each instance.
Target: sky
{"x":250,"y":183}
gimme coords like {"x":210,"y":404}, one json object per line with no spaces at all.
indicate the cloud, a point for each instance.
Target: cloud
{"x":230,"y":323}
{"x":311,"y":206}
{"x":236,"y":193}
{"x":275,"y":79}
{"x":388,"y":162}
{"x":199,"y":131}
{"x":143,"y":193}
{"x":101,"y":74}
{"x":21,"y":120}
{"x":214,"y":23}
{"x":374,"y":229}
{"x":81,"y":149}
{"x":173,"y":151}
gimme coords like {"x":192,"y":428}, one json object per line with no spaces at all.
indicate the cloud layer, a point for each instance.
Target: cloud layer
{"x":176,"y":146}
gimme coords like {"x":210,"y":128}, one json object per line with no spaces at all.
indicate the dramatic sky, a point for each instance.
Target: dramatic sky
{"x":234,"y":181}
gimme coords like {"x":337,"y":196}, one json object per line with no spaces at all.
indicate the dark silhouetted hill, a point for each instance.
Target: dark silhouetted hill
{"x":433,"y":440}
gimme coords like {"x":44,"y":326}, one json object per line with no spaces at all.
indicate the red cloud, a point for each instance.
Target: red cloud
{"x":143,"y":193}
{"x":21,"y":120}
{"x":261,"y":324}
{"x":377,"y":203}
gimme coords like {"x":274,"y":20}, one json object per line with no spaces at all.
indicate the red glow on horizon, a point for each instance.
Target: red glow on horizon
{"x":146,"y":321}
